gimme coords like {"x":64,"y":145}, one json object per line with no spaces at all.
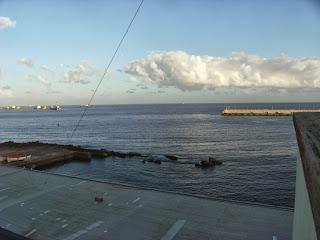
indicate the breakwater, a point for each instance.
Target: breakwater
{"x":263,"y":111}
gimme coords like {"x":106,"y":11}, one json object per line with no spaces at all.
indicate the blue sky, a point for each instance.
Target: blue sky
{"x":61,"y":38}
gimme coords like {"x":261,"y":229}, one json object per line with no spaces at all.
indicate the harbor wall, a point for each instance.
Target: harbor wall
{"x":303,"y":223}
{"x":263,"y":112}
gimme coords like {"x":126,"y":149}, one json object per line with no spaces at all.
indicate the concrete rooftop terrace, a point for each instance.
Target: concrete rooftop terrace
{"x":39,"y":205}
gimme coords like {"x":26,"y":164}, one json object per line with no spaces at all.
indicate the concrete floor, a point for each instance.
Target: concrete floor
{"x":45,"y":206}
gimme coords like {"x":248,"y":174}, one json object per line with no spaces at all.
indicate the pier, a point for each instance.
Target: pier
{"x":263,"y":111}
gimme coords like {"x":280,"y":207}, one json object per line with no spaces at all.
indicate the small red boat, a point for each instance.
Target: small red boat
{"x":11,"y":157}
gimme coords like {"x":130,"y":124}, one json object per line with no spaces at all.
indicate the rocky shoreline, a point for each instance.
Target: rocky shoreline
{"x":44,"y":155}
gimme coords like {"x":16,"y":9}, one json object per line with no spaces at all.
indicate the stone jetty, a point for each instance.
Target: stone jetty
{"x":263,"y":111}
{"x":45,"y":154}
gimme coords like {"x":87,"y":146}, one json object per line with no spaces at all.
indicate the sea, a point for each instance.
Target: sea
{"x":258,"y":153}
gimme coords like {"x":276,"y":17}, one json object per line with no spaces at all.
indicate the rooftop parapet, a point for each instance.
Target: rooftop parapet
{"x":307,"y":127}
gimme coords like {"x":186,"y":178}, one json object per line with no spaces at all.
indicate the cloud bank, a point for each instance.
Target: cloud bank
{"x":240,"y":70}
{"x":6,"y":22}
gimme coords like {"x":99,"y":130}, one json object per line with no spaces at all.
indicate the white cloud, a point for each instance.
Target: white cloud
{"x":240,"y":70}
{"x":131,"y":91}
{"x":41,"y":79}
{"x":80,"y":73}
{"x":26,"y":61}
{"x":6,"y":91}
{"x":6,"y":22}
{"x":45,"y":67}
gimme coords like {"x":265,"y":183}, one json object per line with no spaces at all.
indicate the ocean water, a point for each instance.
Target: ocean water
{"x":258,"y":153}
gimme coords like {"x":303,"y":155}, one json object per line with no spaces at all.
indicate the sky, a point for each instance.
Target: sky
{"x":203,"y":51}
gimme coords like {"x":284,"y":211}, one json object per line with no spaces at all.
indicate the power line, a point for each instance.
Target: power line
{"x":106,"y":69}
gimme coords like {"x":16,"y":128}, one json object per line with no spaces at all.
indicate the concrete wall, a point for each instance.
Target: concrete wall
{"x":303,"y":224}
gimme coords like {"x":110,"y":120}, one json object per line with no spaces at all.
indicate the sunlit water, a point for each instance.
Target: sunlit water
{"x":258,"y":153}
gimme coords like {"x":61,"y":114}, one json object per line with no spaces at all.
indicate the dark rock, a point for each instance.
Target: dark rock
{"x":218,"y":162}
{"x":98,"y":199}
{"x":214,"y":161}
{"x":151,"y":160}
{"x":211,"y":162}
{"x":171,"y":157}
{"x":134,"y":154}
{"x":99,"y":154}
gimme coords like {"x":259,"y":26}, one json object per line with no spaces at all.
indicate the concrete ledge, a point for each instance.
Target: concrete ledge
{"x":307,"y":127}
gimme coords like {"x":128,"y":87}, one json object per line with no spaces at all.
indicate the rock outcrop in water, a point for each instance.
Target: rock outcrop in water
{"x":171,"y":157}
{"x":151,"y":160}
{"x":211,"y":162}
{"x":44,"y":155}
